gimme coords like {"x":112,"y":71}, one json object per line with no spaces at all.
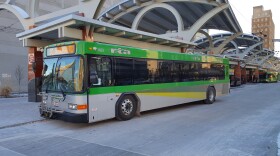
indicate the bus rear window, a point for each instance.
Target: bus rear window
{"x":61,"y":50}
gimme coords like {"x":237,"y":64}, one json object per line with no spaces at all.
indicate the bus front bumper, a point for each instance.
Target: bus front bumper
{"x":74,"y":118}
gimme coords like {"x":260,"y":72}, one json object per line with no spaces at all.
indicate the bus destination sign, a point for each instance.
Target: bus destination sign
{"x":61,"y":50}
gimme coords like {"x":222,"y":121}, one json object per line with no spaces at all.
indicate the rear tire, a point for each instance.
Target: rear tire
{"x":210,"y":95}
{"x":126,"y":108}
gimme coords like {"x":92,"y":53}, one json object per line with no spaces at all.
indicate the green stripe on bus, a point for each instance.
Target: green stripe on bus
{"x":148,"y":87}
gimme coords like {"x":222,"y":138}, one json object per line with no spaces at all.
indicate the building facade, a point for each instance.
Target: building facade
{"x":263,"y":26}
{"x":12,"y":53}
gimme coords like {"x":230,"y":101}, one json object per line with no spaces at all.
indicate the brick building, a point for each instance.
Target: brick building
{"x":263,"y":26}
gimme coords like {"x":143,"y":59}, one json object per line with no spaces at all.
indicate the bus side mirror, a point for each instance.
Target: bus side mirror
{"x":34,"y":66}
{"x":45,"y":68}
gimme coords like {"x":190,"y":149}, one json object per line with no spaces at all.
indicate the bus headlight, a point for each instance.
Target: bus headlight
{"x":72,"y":106}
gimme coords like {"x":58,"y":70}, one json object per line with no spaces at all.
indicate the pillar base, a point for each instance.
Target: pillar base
{"x":34,"y":88}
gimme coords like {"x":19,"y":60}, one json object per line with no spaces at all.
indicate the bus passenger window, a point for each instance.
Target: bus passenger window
{"x":141,"y":72}
{"x":123,"y":72}
{"x":100,"y":71}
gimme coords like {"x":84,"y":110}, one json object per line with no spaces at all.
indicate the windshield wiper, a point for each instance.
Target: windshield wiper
{"x":52,"y":76}
{"x":63,"y":93}
{"x":57,"y":80}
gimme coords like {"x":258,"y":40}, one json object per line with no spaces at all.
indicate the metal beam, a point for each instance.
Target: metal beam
{"x":218,"y":50}
{"x":75,"y":21}
{"x":249,"y":49}
{"x":46,"y":29}
{"x":33,"y":8}
{"x":189,"y":34}
{"x":262,"y":61}
{"x":100,"y":30}
{"x":72,"y":33}
{"x":36,"y":43}
{"x":119,"y":34}
{"x":136,"y":37}
{"x":254,"y":55}
{"x":134,"y":43}
{"x":138,"y":4}
{"x":143,"y":12}
{"x":152,"y":40}
{"x":211,"y":45}
{"x":22,"y":16}
{"x":164,"y":42}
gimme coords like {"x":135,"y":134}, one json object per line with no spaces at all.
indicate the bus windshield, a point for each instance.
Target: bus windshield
{"x":63,"y":74}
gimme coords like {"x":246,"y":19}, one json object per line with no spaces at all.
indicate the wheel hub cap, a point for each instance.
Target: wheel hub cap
{"x":127,"y":107}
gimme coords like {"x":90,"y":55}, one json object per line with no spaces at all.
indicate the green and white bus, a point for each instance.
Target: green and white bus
{"x":91,"y":81}
{"x":269,"y":77}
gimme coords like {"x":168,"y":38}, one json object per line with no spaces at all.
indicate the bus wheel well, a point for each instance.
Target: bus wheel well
{"x":135,"y":97}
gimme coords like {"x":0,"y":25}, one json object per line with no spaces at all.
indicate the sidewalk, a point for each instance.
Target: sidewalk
{"x":15,"y":111}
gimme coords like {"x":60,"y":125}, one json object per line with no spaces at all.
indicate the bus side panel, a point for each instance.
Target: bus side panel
{"x":178,"y":95}
{"x":222,"y":89}
{"x":154,"y":99}
{"x":102,"y":106}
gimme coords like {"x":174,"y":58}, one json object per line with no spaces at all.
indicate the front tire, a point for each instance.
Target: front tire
{"x":126,"y":108}
{"x":210,"y":96}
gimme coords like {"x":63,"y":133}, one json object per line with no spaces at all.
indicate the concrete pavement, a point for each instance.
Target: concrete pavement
{"x":246,"y":122}
{"x":16,"y":111}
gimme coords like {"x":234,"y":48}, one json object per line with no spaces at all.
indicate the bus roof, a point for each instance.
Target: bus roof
{"x":84,"y":48}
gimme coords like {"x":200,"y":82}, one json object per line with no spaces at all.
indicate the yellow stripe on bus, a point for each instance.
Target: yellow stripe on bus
{"x":198,"y":95}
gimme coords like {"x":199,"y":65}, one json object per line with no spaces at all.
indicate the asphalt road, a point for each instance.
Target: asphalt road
{"x":244,"y":123}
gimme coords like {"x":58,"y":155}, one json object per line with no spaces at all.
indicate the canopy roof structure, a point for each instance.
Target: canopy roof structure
{"x":175,"y":18}
{"x":160,"y":19}
{"x":68,"y":29}
{"x":246,"y":47}
{"x":244,"y":40}
{"x":169,"y":23}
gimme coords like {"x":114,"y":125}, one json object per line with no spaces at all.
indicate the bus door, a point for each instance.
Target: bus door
{"x":101,"y":99}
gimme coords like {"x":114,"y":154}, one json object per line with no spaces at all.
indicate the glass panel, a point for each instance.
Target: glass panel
{"x":124,"y":71}
{"x":100,"y":71}
{"x":63,"y":74}
{"x":164,"y":71}
{"x":153,"y":70}
{"x":141,"y":72}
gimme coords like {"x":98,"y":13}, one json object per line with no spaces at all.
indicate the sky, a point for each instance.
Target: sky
{"x":243,"y":10}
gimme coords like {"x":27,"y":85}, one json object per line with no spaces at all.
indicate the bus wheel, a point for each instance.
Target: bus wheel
{"x":210,"y":96}
{"x":126,"y":108}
